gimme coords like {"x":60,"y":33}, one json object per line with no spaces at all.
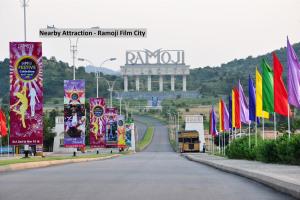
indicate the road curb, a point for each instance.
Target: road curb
{"x":40,"y":164}
{"x":277,"y":184}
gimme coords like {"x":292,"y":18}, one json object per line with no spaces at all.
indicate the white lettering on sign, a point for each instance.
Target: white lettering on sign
{"x":136,"y":57}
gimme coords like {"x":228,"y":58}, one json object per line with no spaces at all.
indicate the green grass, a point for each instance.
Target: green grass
{"x":142,"y":144}
{"x":38,"y":159}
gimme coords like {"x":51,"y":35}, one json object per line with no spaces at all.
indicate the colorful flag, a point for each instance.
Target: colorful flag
{"x":26,"y":93}
{"x":258,"y":92}
{"x":237,"y":114}
{"x":225,"y":116}
{"x":244,"y":109}
{"x":252,"y":106}
{"x":280,"y":93}
{"x":293,"y":76}
{"x":3,"y":128}
{"x":267,"y":87}
{"x":213,"y":128}
{"x":221,"y":116}
{"x":233,"y":109}
{"x":230,"y":111}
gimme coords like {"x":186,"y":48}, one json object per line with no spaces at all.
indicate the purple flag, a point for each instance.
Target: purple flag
{"x":213,"y":127}
{"x":244,"y":109}
{"x":226,"y":118}
{"x":293,"y":76}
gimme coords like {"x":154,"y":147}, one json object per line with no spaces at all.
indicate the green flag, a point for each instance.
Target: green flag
{"x":267,"y":87}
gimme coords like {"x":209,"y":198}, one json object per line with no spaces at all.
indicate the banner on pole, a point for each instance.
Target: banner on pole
{"x":26,"y":93}
{"x":74,"y":113}
{"x":130,"y":137}
{"x":111,"y":118}
{"x":97,"y":123}
{"x":121,"y":132}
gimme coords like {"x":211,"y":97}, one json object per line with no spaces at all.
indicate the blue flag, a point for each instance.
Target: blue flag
{"x":252,"y":101}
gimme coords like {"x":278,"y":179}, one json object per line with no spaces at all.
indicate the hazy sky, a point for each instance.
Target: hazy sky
{"x":210,"y":31}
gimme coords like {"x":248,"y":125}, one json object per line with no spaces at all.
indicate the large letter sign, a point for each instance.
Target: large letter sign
{"x":26,"y":93}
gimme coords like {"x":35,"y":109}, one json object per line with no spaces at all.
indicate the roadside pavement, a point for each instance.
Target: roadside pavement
{"x":284,"y":178}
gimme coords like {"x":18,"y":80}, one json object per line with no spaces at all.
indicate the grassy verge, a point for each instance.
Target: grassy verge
{"x":142,"y":144}
{"x":38,"y":159}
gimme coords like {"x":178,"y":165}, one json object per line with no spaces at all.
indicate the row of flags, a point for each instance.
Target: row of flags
{"x":269,"y":95}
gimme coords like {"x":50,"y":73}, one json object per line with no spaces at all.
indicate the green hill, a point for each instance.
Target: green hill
{"x":214,"y":81}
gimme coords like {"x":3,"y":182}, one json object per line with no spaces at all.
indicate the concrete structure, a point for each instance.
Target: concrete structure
{"x":158,"y":63}
{"x":195,"y":122}
{"x":58,"y":144}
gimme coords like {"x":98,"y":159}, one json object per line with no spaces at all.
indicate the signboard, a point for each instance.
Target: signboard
{"x":74,"y":113}
{"x":121,"y":132}
{"x":160,"y":56}
{"x":111,"y":127}
{"x":26,"y":93}
{"x":97,"y":122}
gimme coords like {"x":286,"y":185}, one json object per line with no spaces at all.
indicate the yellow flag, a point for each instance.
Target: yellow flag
{"x":233,"y":109}
{"x":220,"y":116}
{"x":259,"y":107}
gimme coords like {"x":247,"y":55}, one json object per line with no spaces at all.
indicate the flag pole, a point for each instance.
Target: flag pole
{"x":263,"y":127}
{"x":275,"y":126}
{"x":1,"y":145}
{"x":255,"y":131}
{"x":289,"y":126}
{"x":213,"y":148}
{"x":249,"y":135}
{"x":224,"y":143}
{"x":219,"y":143}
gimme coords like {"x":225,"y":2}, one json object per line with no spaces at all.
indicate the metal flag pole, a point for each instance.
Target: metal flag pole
{"x":275,"y":126}
{"x":263,"y":127}
{"x":255,"y":131}
{"x":289,"y":126}
{"x":219,"y":143}
{"x":213,"y":148}
{"x":8,"y":145}
{"x":249,"y":135}
{"x":224,"y":143}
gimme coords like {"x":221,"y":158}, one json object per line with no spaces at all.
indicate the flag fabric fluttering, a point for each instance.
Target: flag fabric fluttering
{"x":3,"y":128}
{"x":293,"y":77}
{"x":267,"y":87}
{"x":259,"y":96}
{"x":237,"y":108}
{"x":213,"y":123}
{"x":225,"y":116}
{"x":252,"y":101}
{"x":230,"y":111}
{"x":280,"y":93}
{"x":221,"y":116}
{"x":233,"y":108}
{"x":244,"y":109}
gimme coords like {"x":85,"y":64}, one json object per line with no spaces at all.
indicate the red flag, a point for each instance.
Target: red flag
{"x":3,"y":128}
{"x":280,"y":93}
{"x":237,"y":108}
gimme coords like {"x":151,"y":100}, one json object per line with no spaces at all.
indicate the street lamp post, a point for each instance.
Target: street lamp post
{"x":97,"y":73}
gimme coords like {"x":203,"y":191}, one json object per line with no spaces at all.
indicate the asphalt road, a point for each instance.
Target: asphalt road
{"x":157,"y":173}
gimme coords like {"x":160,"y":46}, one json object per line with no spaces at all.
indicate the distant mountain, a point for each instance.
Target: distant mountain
{"x":104,"y":70}
{"x":216,"y":81}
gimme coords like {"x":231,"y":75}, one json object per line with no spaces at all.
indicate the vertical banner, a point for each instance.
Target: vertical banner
{"x":121,"y":132}
{"x":111,"y":118}
{"x":74,"y":113}
{"x":26,"y":93}
{"x":97,"y":122}
{"x":130,"y":137}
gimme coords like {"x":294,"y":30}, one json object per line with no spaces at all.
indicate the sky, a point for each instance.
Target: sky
{"x":211,"y":32}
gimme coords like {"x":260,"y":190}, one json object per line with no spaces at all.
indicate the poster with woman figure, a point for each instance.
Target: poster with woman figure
{"x":97,"y":122}
{"x":26,"y":93}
